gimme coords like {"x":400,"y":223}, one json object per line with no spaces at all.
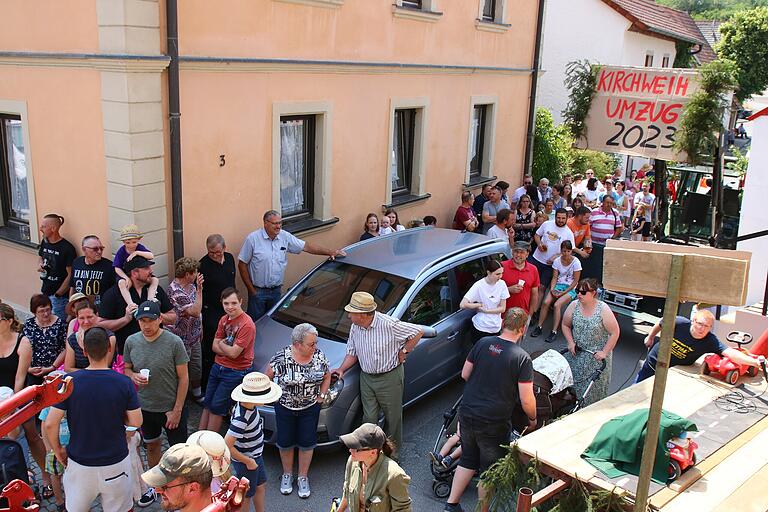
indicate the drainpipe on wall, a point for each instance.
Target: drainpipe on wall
{"x":172,"y":33}
{"x":534,"y":85}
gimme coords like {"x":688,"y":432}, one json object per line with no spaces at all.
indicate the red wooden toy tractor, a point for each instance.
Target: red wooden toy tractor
{"x":682,"y":455}
{"x":729,"y":370}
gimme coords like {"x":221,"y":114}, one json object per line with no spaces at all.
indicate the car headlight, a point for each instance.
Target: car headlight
{"x":333,"y":392}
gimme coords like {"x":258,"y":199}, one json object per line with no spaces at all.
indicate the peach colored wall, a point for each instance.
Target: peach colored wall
{"x":49,"y":26}
{"x":67,"y":155}
{"x":231,"y":114}
{"x":358,"y":30}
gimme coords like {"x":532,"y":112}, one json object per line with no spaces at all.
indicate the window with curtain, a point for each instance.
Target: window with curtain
{"x":413,"y":4}
{"x":477,"y":143}
{"x":489,"y":10}
{"x":402,"y":151}
{"x":14,"y":194}
{"x":297,"y":165}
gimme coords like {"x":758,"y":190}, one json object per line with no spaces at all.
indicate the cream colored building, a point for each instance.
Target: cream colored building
{"x":322,"y":109}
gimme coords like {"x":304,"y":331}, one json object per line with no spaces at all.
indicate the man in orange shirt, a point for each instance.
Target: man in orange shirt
{"x":582,"y":235}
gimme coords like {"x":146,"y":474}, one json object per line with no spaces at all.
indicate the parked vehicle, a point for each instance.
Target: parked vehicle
{"x":418,"y":275}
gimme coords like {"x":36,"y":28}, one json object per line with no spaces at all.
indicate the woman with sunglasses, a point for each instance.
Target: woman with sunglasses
{"x":525,"y":224}
{"x":590,"y":324}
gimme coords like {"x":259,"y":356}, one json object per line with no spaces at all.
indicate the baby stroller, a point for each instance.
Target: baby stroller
{"x":552,"y":381}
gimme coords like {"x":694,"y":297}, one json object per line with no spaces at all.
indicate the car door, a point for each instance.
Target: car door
{"x":434,"y":360}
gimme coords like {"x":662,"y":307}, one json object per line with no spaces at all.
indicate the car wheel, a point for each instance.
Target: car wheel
{"x":674,"y":471}
{"x":732,"y":377}
{"x":441,"y":489}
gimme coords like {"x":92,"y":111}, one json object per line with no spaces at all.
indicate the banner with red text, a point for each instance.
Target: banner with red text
{"x":637,"y":111}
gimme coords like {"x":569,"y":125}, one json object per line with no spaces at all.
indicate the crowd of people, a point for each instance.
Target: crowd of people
{"x":139,"y":353}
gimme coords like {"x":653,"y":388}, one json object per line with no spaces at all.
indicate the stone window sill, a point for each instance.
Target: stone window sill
{"x":10,"y":238}
{"x":308,"y":226}
{"x":331,"y":4}
{"x":405,"y":199}
{"x":479,"y":181}
{"x":415,"y":14}
{"x":492,"y":26}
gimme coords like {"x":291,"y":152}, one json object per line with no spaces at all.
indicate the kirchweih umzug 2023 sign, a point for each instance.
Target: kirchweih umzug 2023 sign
{"x":637,"y":111}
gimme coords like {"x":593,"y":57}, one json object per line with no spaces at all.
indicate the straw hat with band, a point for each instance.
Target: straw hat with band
{"x":257,"y":389}
{"x":215,"y":447}
{"x":361,"y":302}
{"x":73,"y":300}
{"x":130,"y":232}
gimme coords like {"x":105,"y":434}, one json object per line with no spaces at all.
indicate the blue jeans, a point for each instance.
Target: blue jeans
{"x":221,"y":382}
{"x":59,"y":306}
{"x":259,"y":304}
{"x":297,"y":428}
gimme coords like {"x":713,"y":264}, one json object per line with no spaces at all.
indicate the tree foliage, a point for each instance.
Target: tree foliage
{"x":551,"y":147}
{"x":702,"y":118}
{"x":745,"y":42}
{"x":713,"y":9}
{"x":581,"y":82}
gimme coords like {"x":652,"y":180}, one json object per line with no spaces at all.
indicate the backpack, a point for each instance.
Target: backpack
{"x":12,"y":463}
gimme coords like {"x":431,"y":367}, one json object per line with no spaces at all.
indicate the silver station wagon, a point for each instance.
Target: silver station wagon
{"x":418,"y":275}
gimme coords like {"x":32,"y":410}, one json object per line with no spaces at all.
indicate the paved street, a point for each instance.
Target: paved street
{"x":422,"y":424}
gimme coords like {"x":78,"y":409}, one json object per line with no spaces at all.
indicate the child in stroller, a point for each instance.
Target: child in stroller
{"x":450,"y":451}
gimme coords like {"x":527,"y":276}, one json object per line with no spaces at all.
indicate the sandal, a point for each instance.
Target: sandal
{"x":47,"y":492}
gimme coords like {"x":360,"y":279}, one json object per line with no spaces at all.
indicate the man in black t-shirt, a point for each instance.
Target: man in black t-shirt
{"x":55,"y":264}
{"x":92,"y":274}
{"x":691,"y":340}
{"x":118,"y":317}
{"x":499,"y":375}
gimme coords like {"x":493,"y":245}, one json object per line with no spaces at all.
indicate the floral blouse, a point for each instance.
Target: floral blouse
{"x":300,"y":382}
{"x":47,"y":342}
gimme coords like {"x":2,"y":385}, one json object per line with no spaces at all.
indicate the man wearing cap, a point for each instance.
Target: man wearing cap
{"x":162,"y":392}
{"x":117,"y":315}
{"x":92,"y":274}
{"x":499,"y":376}
{"x":101,"y":405}
{"x":372,"y":480}
{"x":380,"y":344}
{"x":182,"y":478}
{"x":521,"y":277}
{"x":263,"y":259}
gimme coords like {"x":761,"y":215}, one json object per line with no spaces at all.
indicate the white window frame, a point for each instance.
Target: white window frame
{"x":499,"y":16}
{"x":668,"y":58}
{"x":19,"y":108}
{"x":428,"y":12}
{"x":418,"y":171}
{"x":323,"y":112}
{"x":648,"y":53}
{"x":489,"y":143}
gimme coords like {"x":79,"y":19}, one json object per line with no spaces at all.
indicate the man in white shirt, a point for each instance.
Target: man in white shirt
{"x":548,"y":238}
{"x":519,"y":191}
{"x":503,"y":227}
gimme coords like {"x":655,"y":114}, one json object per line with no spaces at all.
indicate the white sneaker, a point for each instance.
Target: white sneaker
{"x":304,"y":490}
{"x":286,"y":483}
{"x":147,"y":498}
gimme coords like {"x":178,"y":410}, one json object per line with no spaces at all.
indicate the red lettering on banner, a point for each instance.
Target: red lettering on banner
{"x":671,"y":114}
{"x":604,"y":76}
{"x":658,"y":84}
{"x":642,"y":111}
{"x":682,"y":87}
{"x":618,"y":81}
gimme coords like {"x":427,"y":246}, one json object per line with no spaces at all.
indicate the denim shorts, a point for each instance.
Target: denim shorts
{"x":561,"y":287}
{"x":256,"y":477}
{"x":481,"y":442}
{"x":221,"y":382}
{"x":297,"y":428}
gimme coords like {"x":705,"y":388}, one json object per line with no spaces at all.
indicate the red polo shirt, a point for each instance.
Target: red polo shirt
{"x":512,"y":276}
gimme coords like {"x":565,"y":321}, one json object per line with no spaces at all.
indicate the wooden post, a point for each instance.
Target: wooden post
{"x":660,"y":382}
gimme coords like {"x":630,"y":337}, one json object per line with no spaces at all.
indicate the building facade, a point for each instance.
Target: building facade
{"x":324,"y":110}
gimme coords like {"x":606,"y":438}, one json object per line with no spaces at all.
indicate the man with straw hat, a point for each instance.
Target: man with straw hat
{"x":380,"y":344}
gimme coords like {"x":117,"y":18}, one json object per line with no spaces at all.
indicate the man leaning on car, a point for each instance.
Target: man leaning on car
{"x":380,"y":344}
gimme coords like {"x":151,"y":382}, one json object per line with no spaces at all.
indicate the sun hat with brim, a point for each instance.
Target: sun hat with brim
{"x":361,"y":302}
{"x":180,"y":460}
{"x":256,"y":389}
{"x":216,"y":448}
{"x":5,"y":392}
{"x":130,"y":232}
{"x":365,"y":437}
{"x":73,"y":300}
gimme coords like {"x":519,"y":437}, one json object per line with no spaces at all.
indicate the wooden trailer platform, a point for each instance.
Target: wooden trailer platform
{"x":732,"y":469}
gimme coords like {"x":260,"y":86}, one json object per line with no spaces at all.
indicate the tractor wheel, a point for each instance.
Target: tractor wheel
{"x":705,"y":369}
{"x":674,"y":471}
{"x":752,"y":371}
{"x":441,"y":489}
{"x":732,"y":377}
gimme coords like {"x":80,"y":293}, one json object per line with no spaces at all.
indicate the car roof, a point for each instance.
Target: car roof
{"x":408,"y":253}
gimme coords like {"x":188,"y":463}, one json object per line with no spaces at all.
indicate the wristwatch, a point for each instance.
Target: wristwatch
{"x":405,"y":350}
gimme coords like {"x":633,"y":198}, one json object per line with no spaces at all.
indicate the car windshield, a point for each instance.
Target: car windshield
{"x":321,"y":298}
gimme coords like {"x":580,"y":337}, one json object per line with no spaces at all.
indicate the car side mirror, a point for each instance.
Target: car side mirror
{"x":429,"y":332}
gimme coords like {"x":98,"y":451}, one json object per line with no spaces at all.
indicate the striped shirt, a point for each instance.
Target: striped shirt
{"x":247,"y":427}
{"x":603,"y":224}
{"x":377,"y":346}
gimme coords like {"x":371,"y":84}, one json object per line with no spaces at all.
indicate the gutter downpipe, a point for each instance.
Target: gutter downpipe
{"x":174,"y":121}
{"x":534,"y":85}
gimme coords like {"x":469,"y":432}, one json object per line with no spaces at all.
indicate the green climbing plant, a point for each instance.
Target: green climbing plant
{"x":703,"y":116}
{"x":581,"y":81}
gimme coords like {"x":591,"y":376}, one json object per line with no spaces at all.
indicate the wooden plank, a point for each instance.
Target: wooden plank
{"x":552,"y":489}
{"x":688,"y":478}
{"x":749,"y":497}
{"x":708,"y":278}
{"x":680,"y":249}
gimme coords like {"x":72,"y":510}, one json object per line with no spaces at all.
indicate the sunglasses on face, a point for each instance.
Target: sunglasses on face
{"x":584,"y":291}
